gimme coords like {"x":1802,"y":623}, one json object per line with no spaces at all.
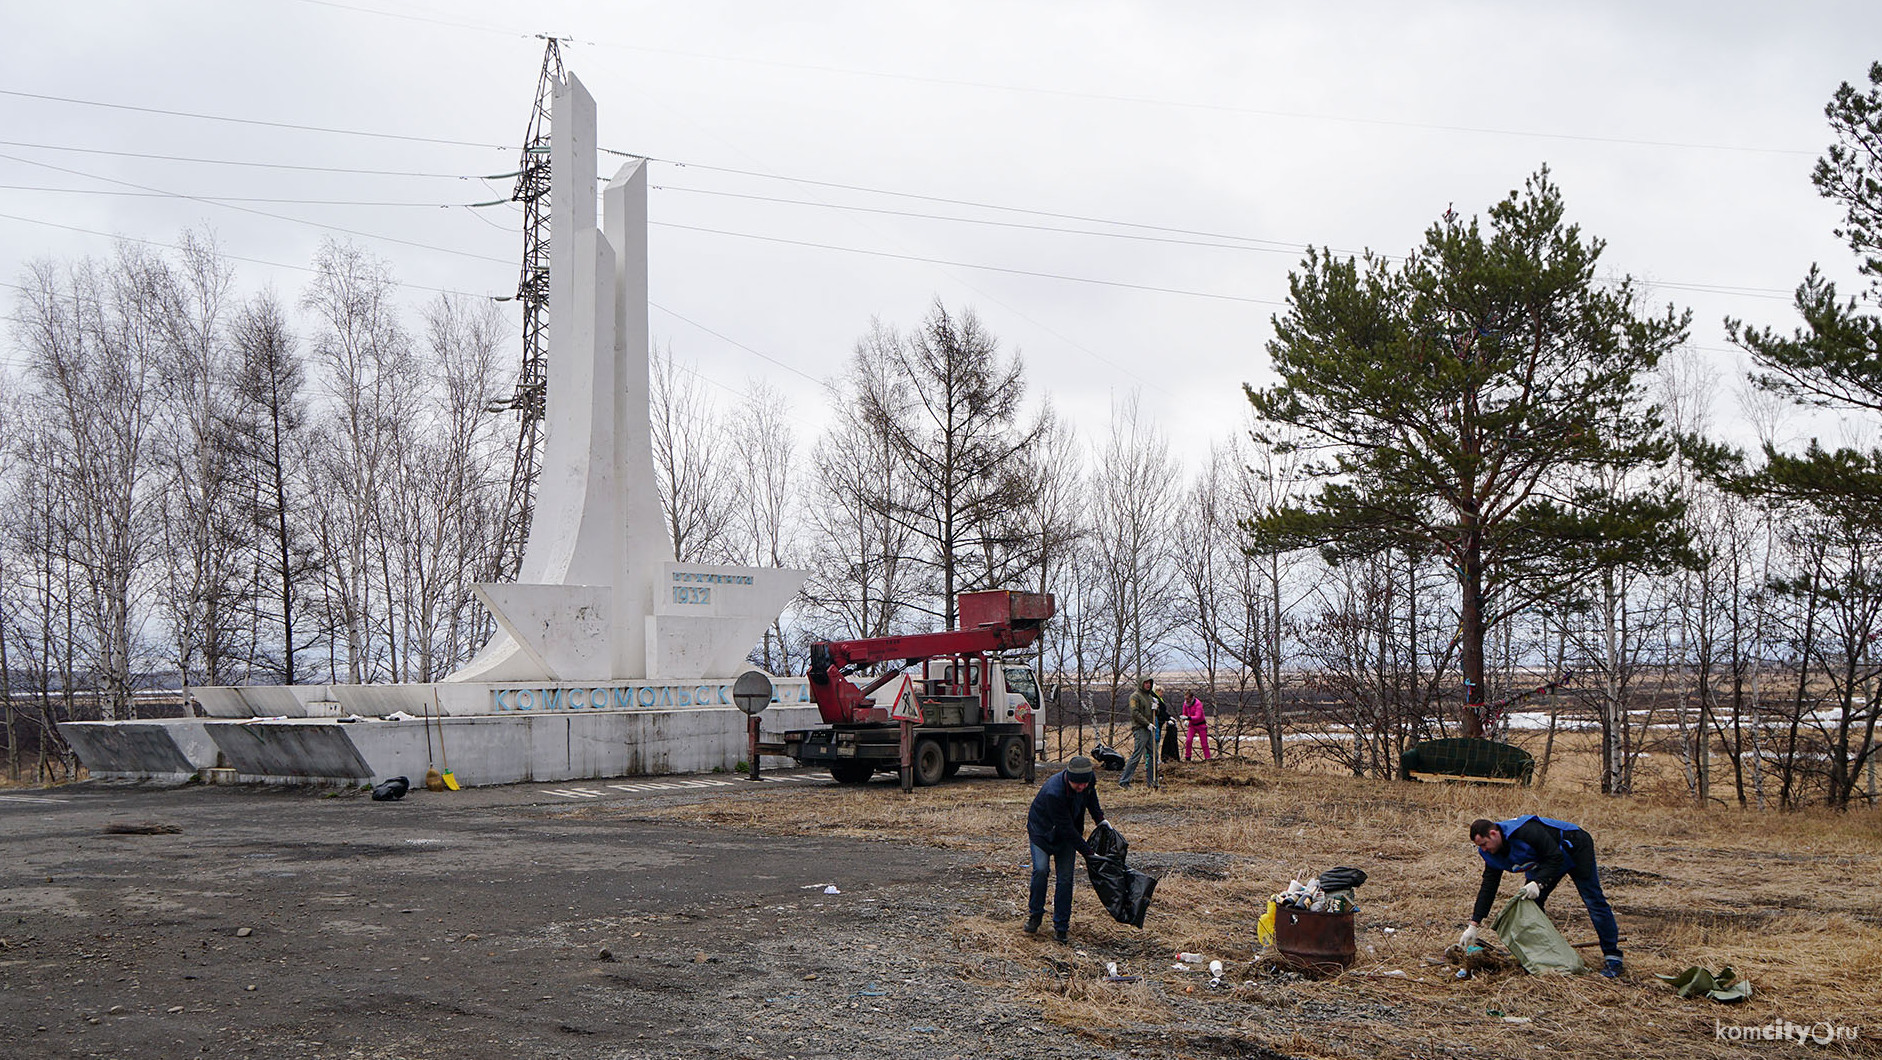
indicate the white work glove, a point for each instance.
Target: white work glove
{"x":1469,"y":936}
{"x":1531,"y":890}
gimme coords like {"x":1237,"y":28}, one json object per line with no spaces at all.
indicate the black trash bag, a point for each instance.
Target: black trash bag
{"x":391,"y":789}
{"x":1341,"y":879}
{"x":1107,"y":757}
{"x":1124,"y":891}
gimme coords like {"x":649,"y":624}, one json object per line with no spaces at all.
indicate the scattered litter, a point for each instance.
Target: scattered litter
{"x":871,"y":991}
{"x":242,"y":933}
{"x":1215,"y":969}
{"x":1179,"y":966}
{"x":1516,"y":1019}
{"x":1725,"y":987}
{"x":821,"y":886}
{"x":923,"y":1029}
{"x":1190,"y":958}
{"x":606,"y":954}
{"x":831,"y":890}
{"x":399,"y":715}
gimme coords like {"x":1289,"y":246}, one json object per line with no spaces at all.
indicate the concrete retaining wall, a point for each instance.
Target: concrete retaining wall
{"x":481,"y":750}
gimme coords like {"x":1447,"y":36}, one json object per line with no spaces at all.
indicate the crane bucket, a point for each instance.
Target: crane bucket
{"x":1005,"y":609}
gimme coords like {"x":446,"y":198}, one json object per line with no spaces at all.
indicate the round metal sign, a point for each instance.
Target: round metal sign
{"x":752,"y":691}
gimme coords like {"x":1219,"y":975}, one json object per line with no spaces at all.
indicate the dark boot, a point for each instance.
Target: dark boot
{"x":1061,"y":936}
{"x":1032,"y":923}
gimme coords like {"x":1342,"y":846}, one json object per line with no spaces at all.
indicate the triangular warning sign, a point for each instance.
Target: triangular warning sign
{"x":906,"y":707}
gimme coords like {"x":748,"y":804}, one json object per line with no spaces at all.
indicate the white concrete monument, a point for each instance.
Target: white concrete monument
{"x":599,"y":597}
{"x":610,"y":657}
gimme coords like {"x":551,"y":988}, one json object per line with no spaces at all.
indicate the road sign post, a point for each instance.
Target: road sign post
{"x":752,"y":692}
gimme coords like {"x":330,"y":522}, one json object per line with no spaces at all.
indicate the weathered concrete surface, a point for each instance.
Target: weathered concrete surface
{"x":480,"y":750}
{"x":172,"y":749}
{"x":469,"y":925}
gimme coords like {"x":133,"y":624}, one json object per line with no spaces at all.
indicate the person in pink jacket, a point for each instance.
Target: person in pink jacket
{"x":1198,"y":726}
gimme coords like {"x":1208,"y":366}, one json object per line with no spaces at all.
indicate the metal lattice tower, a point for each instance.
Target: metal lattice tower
{"x":532,"y":289}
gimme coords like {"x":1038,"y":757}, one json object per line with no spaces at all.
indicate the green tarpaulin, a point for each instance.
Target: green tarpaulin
{"x":1726,"y":986}
{"x":1533,"y":940}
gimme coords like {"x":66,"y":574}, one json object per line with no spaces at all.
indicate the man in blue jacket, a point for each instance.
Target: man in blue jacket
{"x":1056,"y":827}
{"x":1544,"y":850}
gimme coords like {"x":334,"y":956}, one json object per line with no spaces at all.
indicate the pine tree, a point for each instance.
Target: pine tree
{"x":1476,"y":401}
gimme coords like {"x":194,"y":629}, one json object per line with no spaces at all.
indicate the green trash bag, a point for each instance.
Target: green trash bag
{"x":1533,"y":940}
{"x":1725,"y":987}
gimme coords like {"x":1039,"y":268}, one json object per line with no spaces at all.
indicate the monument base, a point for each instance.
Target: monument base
{"x":546,"y":744}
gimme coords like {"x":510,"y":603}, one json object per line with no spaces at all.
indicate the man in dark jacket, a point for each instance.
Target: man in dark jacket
{"x":1544,"y":850}
{"x":1144,"y":703}
{"x":1056,"y":827}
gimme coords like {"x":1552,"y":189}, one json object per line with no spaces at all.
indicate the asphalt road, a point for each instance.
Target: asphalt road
{"x":292,"y":923}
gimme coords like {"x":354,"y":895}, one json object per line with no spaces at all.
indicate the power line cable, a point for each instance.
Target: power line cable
{"x":260,"y":213}
{"x":253,"y":121}
{"x":234,"y":162}
{"x":1105,"y":97}
{"x":966,"y":264}
{"x":228,"y":198}
{"x":1277,"y":248}
{"x":735,"y":342}
{"x":1283,"y":244}
{"x":1751,"y":291}
{"x":232,"y":257}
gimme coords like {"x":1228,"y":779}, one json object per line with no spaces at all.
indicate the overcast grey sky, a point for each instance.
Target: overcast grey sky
{"x":1119,"y":189}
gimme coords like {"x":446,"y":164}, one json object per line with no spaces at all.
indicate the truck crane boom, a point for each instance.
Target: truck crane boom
{"x":965,"y":706}
{"x":994,"y":621}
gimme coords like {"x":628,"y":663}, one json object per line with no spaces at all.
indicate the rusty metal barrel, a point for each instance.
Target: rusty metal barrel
{"x":1315,"y":943}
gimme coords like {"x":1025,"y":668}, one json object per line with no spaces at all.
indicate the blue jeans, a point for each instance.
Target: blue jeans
{"x":1140,"y":750}
{"x":1581,"y":868}
{"x":1067,"y":858}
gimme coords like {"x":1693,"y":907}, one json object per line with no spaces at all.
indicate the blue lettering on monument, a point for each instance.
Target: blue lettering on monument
{"x":633,"y":697}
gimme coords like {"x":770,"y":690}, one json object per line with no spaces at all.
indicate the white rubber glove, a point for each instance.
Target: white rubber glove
{"x":1469,"y":936}
{"x":1531,"y":890}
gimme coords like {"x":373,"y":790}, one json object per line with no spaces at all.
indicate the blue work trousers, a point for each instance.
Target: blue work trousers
{"x":1588,"y":881}
{"x":1067,"y":858}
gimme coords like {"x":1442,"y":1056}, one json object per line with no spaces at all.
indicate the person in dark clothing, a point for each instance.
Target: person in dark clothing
{"x":1144,"y":703}
{"x":1056,"y":826}
{"x":1544,"y":850}
{"x":1167,"y":722}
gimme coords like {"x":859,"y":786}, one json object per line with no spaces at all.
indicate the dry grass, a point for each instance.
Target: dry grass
{"x":1790,"y":901}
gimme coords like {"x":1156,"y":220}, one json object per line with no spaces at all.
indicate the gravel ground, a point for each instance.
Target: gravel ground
{"x":495,"y":923}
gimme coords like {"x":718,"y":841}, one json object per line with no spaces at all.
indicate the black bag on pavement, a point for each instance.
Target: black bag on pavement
{"x":1124,"y":891}
{"x":392,"y":790}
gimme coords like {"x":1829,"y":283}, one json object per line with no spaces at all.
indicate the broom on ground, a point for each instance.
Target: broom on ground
{"x":449,"y":778}
{"x":434,"y":781}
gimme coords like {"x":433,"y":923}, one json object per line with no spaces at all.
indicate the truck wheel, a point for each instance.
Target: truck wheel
{"x":931,"y":763}
{"x":851,"y":772}
{"x":1012,"y":763}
